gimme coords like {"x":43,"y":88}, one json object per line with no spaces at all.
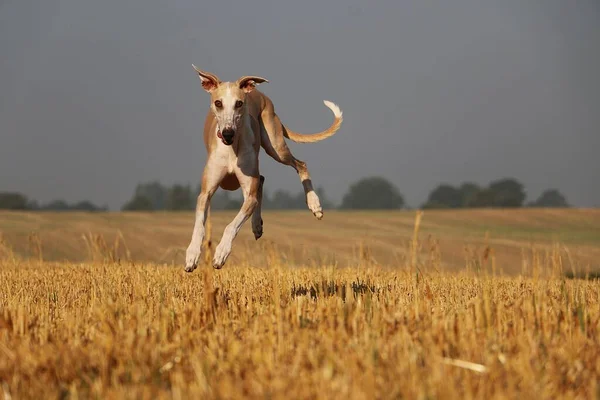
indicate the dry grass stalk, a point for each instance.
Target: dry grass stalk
{"x":35,"y":245}
{"x":100,"y":251}
{"x":482,"y":369}
{"x":414,"y":243}
{"x":6,"y":251}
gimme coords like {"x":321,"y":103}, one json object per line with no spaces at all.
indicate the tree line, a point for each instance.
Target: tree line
{"x":367,"y":193}
{"x":505,"y":193}
{"x":19,"y":201}
{"x":151,"y":196}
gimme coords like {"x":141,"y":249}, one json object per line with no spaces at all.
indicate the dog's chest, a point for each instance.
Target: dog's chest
{"x":226,"y":157}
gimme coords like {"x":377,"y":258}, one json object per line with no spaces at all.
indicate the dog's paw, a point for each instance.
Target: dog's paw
{"x":221,"y":254}
{"x":257,"y":228}
{"x":314,"y":205}
{"x":192,"y":257}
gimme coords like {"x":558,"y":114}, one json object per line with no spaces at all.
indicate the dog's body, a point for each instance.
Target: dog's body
{"x":240,"y":121}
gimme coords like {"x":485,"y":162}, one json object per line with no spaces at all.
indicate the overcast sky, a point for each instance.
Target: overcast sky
{"x":98,"y":96}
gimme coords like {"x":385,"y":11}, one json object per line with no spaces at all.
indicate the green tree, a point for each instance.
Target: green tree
{"x":468,"y":193}
{"x":325,"y":202}
{"x":372,"y":193}
{"x":86,"y":205}
{"x":483,"y":198}
{"x":153,"y":191}
{"x":56,"y":205}
{"x":284,"y":200}
{"x":507,"y":192}
{"x":33,"y":205}
{"x":13,"y":201}
{"x":138,"y":203}
{"x":180,"y":197}
{"x":551,"y":198}
{"x":222,"y":200}
{"x":148,"y":196}
{"x":444,"y":196}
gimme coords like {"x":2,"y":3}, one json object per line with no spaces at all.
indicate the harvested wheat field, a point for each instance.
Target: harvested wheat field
{"x":340,"y":238}
{"x":268,"y":328}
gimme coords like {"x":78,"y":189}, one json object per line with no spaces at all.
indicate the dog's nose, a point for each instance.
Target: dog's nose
{"x":228,"y":135}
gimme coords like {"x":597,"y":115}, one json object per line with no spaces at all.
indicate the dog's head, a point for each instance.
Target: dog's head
{"x":228,"y":101}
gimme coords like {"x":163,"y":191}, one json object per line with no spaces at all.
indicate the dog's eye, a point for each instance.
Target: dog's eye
{"x":239,"y":103}
{"x":218,"y":104}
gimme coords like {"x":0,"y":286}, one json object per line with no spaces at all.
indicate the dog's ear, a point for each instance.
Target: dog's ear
{"x":209,"y":81}
{"x":248,"y":83}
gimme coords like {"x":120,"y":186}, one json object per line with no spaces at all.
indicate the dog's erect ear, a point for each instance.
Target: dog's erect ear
{"x":248,"y":83}
{"x":209,"y":81}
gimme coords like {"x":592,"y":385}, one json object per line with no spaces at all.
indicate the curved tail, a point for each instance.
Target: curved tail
{"x":317,"y":137}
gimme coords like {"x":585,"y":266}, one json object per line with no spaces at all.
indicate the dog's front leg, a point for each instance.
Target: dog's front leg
{"x":250,"y":186}
{"x":257,"y":222}
{"x":210,"y":181}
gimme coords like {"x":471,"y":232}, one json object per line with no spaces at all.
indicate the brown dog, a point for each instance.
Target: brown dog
{"x":241,"y":120}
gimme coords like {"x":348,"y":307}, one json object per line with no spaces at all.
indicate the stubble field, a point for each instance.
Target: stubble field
{"x":475,"y":304}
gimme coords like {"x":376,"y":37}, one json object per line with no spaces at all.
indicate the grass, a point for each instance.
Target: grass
{"x":264,"y":327}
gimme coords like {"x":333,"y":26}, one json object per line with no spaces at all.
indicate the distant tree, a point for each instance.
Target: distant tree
{"x":372,"y":193}
{"x":33,"y":205}
{"x":138,"y":203}
{"x":180,"y":197}
{"x":432,"y":205}
{"x":13,"y":201}
{"x":551,"y":198}
{"x":280,"y":200}
{"x":148,"y":196}
{"x":444,"y":196}
{"x":55,"y":205}
{"x":222,"y":200}
{"x":267,"y":200}
{"x":507,"y":192}
{"x":153,"y":191}
{"x":86,"y":205}
{"x":325,"y":202}
{"x":283,"y":200}
{"x":483,"y":198}
{"x":61,"y":205}
{"x":468,"y":193}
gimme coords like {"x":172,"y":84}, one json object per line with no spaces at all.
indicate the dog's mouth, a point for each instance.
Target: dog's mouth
{"x":226,"y":141}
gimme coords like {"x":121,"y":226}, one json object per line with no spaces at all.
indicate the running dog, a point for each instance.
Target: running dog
{"x":240,"y":121}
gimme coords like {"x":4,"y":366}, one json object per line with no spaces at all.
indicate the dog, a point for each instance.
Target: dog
{"x":239,"y":122}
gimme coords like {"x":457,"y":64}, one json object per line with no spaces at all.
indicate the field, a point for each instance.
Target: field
{"x":301,"y":240}
{"x":469,"y":304}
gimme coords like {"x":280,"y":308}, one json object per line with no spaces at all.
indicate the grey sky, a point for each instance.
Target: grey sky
{"x":97,"y":96}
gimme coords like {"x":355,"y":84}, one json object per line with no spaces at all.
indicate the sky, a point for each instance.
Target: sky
{"x":98,"y":96}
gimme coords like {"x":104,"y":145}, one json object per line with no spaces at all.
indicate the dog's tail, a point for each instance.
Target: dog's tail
{"x":317,"y":137}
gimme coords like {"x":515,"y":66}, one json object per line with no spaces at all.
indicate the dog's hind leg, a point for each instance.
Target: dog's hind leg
{"x":312,"y":200}
{"x":273,"y":141}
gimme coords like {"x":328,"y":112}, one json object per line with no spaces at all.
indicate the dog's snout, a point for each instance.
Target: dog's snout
{"x":228,"y":135}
